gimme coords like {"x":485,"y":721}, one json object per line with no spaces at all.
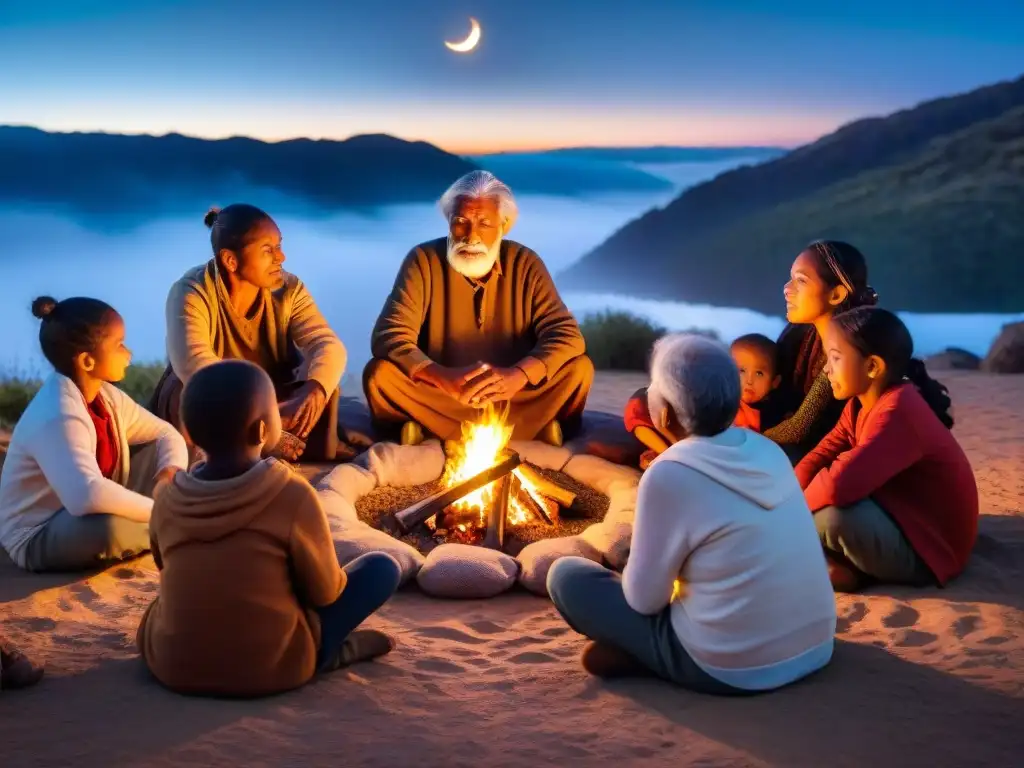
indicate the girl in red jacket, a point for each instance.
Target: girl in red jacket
{"x":893,"y":495}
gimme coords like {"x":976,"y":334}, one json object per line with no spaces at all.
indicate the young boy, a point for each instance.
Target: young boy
{"x":252,"y":599}
{"x":755,"y":356}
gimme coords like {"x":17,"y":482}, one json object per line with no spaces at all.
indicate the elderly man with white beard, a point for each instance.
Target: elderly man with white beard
{"x":475,"y":319}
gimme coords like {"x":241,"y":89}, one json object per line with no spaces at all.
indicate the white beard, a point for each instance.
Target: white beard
{"x":473,"y":261}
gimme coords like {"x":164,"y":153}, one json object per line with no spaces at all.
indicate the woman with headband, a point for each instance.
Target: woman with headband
{"x":827,"y":277}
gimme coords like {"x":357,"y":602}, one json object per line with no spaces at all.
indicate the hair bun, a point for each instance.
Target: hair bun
{"x":869,"y":296}
{"x":43,"y":307}
{"x":211,"y":217}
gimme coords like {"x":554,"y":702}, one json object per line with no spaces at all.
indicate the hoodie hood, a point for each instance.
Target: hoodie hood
{"x":743,"y":461}
{"x":206,"y":510}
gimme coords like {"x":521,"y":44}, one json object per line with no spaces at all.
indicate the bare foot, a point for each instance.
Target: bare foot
{"x":608,"y":661}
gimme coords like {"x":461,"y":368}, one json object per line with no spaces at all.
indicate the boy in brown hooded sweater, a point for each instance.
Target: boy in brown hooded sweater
{"x":252,"y":599}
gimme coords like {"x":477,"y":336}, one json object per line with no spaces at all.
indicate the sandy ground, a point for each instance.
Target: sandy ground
{"x":927,"y":677}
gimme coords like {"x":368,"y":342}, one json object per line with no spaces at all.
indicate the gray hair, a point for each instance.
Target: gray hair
{"x":476,"y":185}
{"x":697,"y":378}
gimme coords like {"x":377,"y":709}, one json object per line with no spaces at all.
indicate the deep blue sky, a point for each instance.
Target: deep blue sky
{"x":547,"y":73}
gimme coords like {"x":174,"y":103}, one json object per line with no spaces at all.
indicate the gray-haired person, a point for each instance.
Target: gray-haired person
{"x":726,"y":589}
{"x":475,"y":319}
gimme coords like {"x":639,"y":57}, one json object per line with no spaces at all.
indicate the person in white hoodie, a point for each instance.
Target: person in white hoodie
{"x":726,"y":589}
{"x":65,"y":500}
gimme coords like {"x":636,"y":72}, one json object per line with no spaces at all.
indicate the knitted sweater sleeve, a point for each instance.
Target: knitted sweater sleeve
{"x":798,"y":427}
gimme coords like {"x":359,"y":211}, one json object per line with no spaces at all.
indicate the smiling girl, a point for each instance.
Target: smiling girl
{"x":893,"y":495}
{"x":65,"y":500}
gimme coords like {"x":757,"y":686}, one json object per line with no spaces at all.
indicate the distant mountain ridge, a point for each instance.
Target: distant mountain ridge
{"x":98,"y":172}
{"x":581,"y":171}
{"x":930,"y":190}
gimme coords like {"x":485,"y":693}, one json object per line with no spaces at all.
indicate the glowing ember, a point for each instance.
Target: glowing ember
{"x":481,"y":447}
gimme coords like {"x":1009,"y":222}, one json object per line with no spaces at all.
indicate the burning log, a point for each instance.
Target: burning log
{"x":546,"y":487}
{"x":421,"y":511}
{"x":526,"y":500}
{"x":497,"y":514}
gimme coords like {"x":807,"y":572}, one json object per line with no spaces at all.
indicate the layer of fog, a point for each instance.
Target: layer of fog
{"x":349,"y":261}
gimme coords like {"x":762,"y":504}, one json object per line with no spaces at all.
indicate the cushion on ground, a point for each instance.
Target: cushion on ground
{"x":611,"y":541}
{"x":536,"y":559}
{"x":600,"y":473}
{"x":339,"y":510}
{"x":403,"y":465}
{"x":350,"y":481}
{"x":605,"y":435}
{"x":354,"y":539}
{"x":463,"y":571}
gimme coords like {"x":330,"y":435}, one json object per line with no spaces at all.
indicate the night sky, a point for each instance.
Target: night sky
{"x":547,"y":73}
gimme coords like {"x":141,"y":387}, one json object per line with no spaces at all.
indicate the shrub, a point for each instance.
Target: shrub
{"x":15,"y":395}
{"x":17,"y":391}
{"x":619,"y":341}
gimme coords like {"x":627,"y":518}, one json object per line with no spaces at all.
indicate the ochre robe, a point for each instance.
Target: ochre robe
{"x":512,"y":317}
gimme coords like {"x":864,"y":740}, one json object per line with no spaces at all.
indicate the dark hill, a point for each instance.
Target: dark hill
{"x":99,"y":172}
{"x":935,"y":190}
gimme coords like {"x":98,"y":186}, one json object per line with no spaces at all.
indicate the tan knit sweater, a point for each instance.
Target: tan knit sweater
{"x":514,"y":316}
{"x":203,"y":327}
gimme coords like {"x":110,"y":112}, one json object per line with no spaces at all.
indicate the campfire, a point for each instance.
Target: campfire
{"x":486,"y":488}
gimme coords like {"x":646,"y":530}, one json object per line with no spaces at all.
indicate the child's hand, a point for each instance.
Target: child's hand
{"x":647,"y":458}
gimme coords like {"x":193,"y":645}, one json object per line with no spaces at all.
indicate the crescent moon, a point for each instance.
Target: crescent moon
{"x":471,"y":40}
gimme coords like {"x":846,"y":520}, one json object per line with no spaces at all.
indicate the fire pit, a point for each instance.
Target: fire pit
{"x":486,"y":488}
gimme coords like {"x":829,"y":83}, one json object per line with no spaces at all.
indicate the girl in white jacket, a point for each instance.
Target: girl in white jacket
{"x":65,"y":504}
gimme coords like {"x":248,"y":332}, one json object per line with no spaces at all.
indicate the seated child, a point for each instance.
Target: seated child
{"x":755,"y":356}
{"x":73,"y":494}
{"x":252,"y":599}
{"x":16,"y":670}
{"x":893,"y":495}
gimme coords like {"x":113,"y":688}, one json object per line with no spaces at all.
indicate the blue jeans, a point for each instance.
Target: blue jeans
{"x":591,"y":600}
{"x":69,"y":543}
{"x":372,"y":579}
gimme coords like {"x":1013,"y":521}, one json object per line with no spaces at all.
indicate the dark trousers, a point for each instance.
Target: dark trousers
{"x":372,"y":579}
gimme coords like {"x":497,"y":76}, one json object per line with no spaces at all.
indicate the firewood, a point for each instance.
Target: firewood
{"x":498,"y":514}
{"x":551,"y":509}
{"x":424,"y":509}
{"x":531,"y":504}
{"x":546,"y":487}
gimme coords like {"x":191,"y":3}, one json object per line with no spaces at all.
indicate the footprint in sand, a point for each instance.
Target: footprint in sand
{"x":855,"y":615}
{"x":913,"y":638}
{"x":555,"y":631}
{"x":532,"y":657}
{"x":485,"y":627}
{"x":439,"y":666}
{"x":519,"y":642}
{"x":32,"y":623}
{"x":963,"y":626}
{"x":450,"y":633}
{"x":84,"y":594}
{"x":113,"y":640}
{"x":904,"y":616}
{"x":996,"y":640}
